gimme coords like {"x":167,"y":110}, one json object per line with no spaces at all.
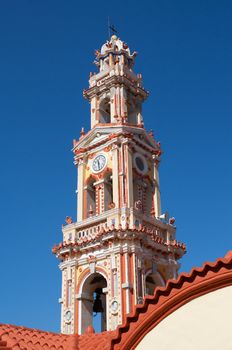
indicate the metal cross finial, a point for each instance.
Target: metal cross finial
{"x":111,"y":28}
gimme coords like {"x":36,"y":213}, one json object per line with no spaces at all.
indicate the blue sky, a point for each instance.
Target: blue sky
{"x":46,"y":53}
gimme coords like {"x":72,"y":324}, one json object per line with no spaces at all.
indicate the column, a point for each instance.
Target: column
{"x":93,"y":111}
{"x":115,"y":180}
{"x":129,"y":175}
{"x":112,"y":105}
{"x":80,"y":189}
{"x":157,"y":204}
{"x":139,"y":115}
{"x":123,"y":103}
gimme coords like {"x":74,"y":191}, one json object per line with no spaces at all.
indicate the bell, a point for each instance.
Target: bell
{"x":97,"y":304}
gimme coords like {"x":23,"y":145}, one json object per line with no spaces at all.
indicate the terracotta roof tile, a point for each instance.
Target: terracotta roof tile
{"x":21,"y":338}
{"x":96,"y":341}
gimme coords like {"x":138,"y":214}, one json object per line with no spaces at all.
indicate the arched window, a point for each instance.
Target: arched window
{"x":138,"y":193}
{"x":108,"y":192}
{"x":150,"y":285}
{"x":131,"y":111}
{"x":90,"y":198}
{"x":148,"y":197}
{"x":152,"y":281}
{"x":104,"y":111}
{"x":93,"y":302}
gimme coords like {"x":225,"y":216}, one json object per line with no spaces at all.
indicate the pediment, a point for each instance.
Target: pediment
{"x":101,"y":133}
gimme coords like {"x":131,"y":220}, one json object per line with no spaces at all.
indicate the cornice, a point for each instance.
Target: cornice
{"x":115,"y":80}
{"x":146,"y":236}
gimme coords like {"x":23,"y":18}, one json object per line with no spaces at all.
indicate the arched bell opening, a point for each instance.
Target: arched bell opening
{"x":104,"y":111}
{"x":93,"y":303}
{"x":153,"y":280}
{"x":108,"y":192}
{"x":90,"y":198}
{"x":148,"y":189}
{"x":138,"y":193}
{"x":131,"y":111}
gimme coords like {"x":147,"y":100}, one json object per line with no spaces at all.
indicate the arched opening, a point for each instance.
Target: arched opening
{"x":90,"y":198}
{"x":131,"y":111}
{"x":138,"y":193}
{"x":104,"y":111}
{"x":93,"y":303}
{"x":152,"y":281}
{"x":148,"y":197}
{"x":150,"y":285}
{"x":108,"y":195}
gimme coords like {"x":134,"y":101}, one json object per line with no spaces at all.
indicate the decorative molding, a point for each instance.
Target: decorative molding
{"x":200,"y":281}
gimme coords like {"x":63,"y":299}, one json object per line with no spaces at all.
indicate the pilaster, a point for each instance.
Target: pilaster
{"x":80,"y":189}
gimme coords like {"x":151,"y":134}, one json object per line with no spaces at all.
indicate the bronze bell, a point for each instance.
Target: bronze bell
{"x":97,"y":304}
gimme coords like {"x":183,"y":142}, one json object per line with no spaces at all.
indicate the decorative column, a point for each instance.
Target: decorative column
{"x":122,"y":177}
{"x":139,"y":279}
{"x":61,"y":300}
{"x":93,"y":111}
{"x":126,"y":285}
{"x":123,"y":103}
{"x":115,"y":180}
{"x":156,"y":197}
{"x":80,"y":189}
{"x":112,"y":105}
{"x":128,"y":175}
{"x":118,"y":109}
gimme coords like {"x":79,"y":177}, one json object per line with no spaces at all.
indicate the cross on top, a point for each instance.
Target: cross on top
{"x":111,"y":28}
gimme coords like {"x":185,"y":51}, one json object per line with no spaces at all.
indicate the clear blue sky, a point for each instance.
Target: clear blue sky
{"x":46,"y":53}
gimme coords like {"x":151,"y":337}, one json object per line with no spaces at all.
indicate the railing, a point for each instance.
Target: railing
{"x":89,"y":227}
{"x":78,"y":235}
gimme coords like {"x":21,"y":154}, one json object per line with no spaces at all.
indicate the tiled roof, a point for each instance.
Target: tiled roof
{"x":21,"y":338}
{"x":96,"y":341}
{"x":200,"y":281}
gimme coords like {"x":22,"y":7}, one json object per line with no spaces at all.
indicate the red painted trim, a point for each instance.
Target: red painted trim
{"x":166,"y":300}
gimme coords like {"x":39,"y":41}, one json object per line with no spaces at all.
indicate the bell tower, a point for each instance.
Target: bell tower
{"x":121,"y":247}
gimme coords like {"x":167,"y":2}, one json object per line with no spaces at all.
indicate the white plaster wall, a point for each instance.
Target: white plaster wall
{"x":203,"y":324}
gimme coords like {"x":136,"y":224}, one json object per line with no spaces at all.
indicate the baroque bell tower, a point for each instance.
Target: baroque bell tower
{"x":121,"y":247}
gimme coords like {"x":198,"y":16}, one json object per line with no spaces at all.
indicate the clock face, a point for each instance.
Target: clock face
{"x":99,"y":163}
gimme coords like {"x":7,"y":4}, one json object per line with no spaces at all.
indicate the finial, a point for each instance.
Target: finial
{"x":171,"y":221}
{"x":82,"y":131}
{"x":68,"y":220}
